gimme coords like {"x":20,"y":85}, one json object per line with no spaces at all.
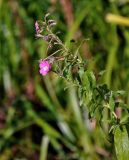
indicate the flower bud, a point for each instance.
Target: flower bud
{"x":37,"y":28}
{"x":51,"y":23}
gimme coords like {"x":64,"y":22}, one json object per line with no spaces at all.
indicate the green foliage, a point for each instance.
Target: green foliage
{"x":92,"y":95}
{"x":121,"y":140}
{"x":38,"y":118}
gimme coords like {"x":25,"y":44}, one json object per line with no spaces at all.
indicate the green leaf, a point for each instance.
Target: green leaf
{"x":88,"y":84}
{"x":101,"y":73}
{"x":85,"y":81}
{"x":89,"y":80}
{"x":124,"y":119}
{"x":121,"y":92}
{"x":92,"y":79}
{"x":111,"y":102}
{"x":121,"y":143}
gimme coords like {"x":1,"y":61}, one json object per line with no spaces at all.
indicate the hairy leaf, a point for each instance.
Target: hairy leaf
{"x":121,"y":143}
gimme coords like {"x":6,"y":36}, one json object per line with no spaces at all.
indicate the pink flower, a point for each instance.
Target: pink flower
{"x":37,"y":27}
{"x":45,"y":67}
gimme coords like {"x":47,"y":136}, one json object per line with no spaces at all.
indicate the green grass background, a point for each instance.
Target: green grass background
{"x":38,"y":118}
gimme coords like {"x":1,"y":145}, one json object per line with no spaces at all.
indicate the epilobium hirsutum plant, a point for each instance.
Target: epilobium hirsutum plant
{"x":97,"y":98}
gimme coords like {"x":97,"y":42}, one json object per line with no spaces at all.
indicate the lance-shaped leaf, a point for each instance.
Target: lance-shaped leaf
{"x":121,"y":140}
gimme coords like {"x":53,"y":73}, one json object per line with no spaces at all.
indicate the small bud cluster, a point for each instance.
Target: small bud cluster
{"x":44,"y":31}
{"x":37,"y":28}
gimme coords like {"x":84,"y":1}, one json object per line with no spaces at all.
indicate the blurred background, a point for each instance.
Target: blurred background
{"x":39,"y":120}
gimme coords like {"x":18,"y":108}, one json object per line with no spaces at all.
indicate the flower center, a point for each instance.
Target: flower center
{"x":45,"y":68}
